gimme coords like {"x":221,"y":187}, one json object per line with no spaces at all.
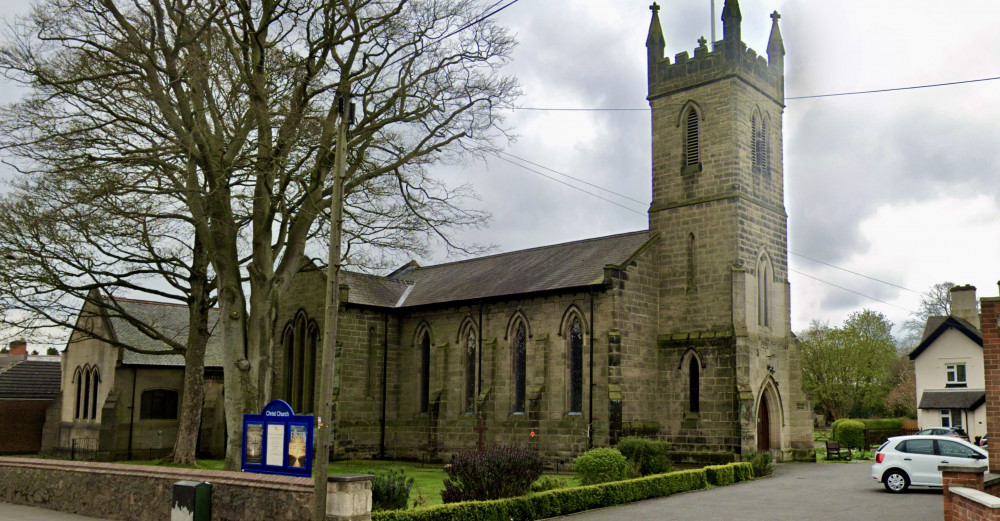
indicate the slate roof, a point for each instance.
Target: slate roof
{"x":557,"y":267}
{"x":31,"y":380}
{"x":170,"y":319}
{"x":952,"y":399}
{"x":936,"y":326}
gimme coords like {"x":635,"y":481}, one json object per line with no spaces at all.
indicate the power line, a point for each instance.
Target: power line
{"x":480,"y":19}
{"x":811,"y":96}
{"x":850,"y":290}
{"x":569,"y":185}
{"x":623,"y":196}
{"x":852,"y":272}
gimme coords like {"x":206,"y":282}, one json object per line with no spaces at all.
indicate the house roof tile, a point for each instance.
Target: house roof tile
{"x":31,"y":379}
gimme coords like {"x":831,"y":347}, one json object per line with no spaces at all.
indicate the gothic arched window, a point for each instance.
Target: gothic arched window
{"x":471,"y":340}
{"x":519,"y":346}
{"x":764,"y":276}
{"x":300,"y":343}
{"x":371,"y":378}
{"x":425,"y":372}
{"x":576,"y":366}
{"x":758,"y":142}
{"x":158,"y":404}
{"x":694,"y":385}
{"x":692,"y":137}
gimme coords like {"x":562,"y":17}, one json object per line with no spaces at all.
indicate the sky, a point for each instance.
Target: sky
{"x":895,"y":187}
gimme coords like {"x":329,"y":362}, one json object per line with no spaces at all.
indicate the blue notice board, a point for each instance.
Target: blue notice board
{"x":278,"y":441}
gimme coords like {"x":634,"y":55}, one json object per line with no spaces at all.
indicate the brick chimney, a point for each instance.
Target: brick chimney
{"x":991,"y":363}
{"x":963,"y":304}
{"x":19,"y":347}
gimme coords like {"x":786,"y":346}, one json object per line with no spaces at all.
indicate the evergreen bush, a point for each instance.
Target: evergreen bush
{"x":851,"y":434}
{"x":600,"y":466}
{"x":390,"y":489}
{"x":761,"y":463}
{"x":652,"y":456}
{"x":496,"y":472}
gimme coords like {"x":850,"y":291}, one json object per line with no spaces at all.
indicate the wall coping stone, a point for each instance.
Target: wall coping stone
{"x":342,"y":478}
{"x":222,"y":477}
{"x":978,"y":496}
{"x":964,"y":469}
{"x":991,"y":479}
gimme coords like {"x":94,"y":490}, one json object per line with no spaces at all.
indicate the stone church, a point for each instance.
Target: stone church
{"x":679,"y":332}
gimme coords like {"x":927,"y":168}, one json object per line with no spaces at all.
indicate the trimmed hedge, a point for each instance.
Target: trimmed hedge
{"x":651,"y":456}
{"x":742,"y":471}
{"x":883,"y":424}
{"x":851,"y":433}
{"x":565,"y":501}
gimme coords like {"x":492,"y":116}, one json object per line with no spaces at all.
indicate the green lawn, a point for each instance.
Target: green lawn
{"x":428,"y":478}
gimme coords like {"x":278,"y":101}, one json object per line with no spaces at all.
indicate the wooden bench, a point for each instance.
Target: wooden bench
{"x":833,"y":450}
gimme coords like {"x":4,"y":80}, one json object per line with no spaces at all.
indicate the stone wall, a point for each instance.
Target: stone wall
{"x":136,"y":493}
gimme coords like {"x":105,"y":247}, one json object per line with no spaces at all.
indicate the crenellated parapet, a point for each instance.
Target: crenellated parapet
{"x":731,"y":58}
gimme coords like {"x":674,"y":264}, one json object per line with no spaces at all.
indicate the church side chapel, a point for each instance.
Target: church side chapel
{"x":679,"y":332}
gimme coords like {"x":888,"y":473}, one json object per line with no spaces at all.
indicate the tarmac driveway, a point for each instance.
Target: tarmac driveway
{"x":796,"y":492}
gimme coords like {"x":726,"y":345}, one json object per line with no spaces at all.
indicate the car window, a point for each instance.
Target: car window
{"x":950,"y":448}
{"x":916,"y":446}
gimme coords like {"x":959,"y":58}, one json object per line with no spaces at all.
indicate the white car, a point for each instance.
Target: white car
{"x":913,"y":460}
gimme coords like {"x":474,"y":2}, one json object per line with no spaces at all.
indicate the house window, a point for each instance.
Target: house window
{"x":692,"y":154}
{"x":951,"y":418}
{"x":520,"y":349}
{"x":576,"y":366}
{"x":158,"y":404}
{"x":955,"y":375}
{"x":425,"y":372}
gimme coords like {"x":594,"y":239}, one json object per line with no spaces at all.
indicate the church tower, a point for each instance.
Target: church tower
{"x":718,"y":208}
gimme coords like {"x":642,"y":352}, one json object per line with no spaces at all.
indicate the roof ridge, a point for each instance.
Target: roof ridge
{"x":536,"y":248}
{"x":154,"y":302}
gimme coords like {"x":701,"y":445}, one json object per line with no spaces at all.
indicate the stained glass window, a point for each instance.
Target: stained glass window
{"x":470,"y":370}
{"x":520,"y":362}
{"x":425,"y":372}
{"x":576,"y":366}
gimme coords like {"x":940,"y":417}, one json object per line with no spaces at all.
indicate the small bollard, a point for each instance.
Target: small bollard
{"x":192,"y":501}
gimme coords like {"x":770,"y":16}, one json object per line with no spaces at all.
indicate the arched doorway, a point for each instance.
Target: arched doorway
{"x":763,"y":425}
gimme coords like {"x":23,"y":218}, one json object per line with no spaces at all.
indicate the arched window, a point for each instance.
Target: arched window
{"x":86,"y":394}
{"x":95,"y":382}
{"x":471,"y":344}
{"x":300,"y":343}
{"x":371,"y":377}
{"x":78,"y":379}
{"x":692,"y":136}
{"x":576,"y":366}
{"x":764,"y":276}
{"x":694,"y":385}
{"x":519,"y":347}
{"x":690,"y":263}
{"x":758,"y":142}
{"x":425,"y":371}
{"x":158,"y":404}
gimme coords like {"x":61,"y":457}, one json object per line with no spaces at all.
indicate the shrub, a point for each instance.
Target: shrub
{"x":652,"y":456}
{"x":556,"y":502}
{"x":761,"y":463}
{"x":496,"y":472}
{"x":600,"y":466}
{"x":548,"y":483}
{"x":390,"y":489}
{"x":851,"y":434}
{"x":883,"y":424}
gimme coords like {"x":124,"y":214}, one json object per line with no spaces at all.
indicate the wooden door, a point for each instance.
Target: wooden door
{"x":763,"y":426}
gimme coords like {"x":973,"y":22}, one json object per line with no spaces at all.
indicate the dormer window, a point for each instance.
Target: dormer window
{"x":955,"y":375}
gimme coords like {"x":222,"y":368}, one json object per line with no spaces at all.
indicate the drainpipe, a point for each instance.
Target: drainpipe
{"x":131,"y":413}
{"x":590,"y":415}
{"x":385,"y":367}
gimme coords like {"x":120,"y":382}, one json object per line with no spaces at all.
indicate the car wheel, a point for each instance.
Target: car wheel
{"x":896,"y":481}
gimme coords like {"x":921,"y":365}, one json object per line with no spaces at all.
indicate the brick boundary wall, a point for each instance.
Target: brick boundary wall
{"x":142,"y":493}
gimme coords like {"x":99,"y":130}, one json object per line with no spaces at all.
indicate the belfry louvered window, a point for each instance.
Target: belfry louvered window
{"x":520,"y":365}
{"x":692,"y":155}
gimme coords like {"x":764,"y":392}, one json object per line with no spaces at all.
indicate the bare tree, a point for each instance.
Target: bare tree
{"x":73,"y":239}
{"x":935,"y":302}
{"x":233,"y":104}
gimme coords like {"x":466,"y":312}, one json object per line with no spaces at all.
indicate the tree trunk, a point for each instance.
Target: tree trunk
{"x":194,"y":359}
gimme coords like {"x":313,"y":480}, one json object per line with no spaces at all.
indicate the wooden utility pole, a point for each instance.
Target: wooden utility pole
{"x":324,"y":387}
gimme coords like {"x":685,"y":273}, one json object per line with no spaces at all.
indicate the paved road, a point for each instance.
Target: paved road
{"x":10,"y":512}
{"x":797,"y":492}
